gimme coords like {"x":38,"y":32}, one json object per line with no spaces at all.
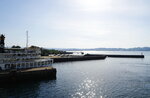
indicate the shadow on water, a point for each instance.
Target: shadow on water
{"x":26,"y":89}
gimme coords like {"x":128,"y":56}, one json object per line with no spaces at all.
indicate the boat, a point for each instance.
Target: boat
{"x":21,"y":58}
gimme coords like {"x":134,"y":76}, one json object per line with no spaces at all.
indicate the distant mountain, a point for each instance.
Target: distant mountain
{"x":106,"y":49}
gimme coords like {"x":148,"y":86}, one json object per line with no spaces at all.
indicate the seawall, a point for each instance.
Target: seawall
{"x":28,"y":75}
{"x":78,"y":58}
{"x":118,"y":56}
{"x":127,"y":56}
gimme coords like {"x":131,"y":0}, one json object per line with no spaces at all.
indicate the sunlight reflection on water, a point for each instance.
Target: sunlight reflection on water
{"x":86,"y":89}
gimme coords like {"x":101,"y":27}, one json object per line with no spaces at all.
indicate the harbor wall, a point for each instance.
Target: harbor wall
{"x":126,"y":56}
{"x":78,"y":58}
{"x":118,"y":56}
{"x":28,"y":75}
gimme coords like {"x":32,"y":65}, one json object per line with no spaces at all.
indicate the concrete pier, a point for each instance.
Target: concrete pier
{"x":118,"y":56}
{"x":78,"y":58}
{"x":15,"y":76}
{"x":126,"y":56}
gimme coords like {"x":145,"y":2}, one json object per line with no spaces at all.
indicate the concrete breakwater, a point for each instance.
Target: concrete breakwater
{"x":119,"y":56}
{"x":78,"y":58}
{"x":127,"y":56}
{"x":89,"y":57}
{"x":28,"y":75}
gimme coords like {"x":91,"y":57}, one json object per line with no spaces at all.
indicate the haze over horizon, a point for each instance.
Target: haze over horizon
{"x":76,"y":23}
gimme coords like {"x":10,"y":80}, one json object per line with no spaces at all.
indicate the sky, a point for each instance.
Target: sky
{"x":76,"y":23}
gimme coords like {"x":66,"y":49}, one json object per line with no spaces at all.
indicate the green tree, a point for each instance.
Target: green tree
{"x":15,"y":46}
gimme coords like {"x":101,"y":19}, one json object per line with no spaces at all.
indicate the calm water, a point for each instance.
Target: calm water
{"x":109,"y":78}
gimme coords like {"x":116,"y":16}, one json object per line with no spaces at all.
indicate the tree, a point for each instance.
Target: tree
{"x":15,"y":46}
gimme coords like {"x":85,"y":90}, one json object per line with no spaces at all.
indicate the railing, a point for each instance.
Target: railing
{"x":24,"y":65}
{"x":15,"y":55}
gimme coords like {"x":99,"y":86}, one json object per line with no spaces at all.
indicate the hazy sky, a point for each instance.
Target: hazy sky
{"x":76,"y":23}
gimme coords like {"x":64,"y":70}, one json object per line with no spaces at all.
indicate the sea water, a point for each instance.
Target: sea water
{"x":109,"y":78}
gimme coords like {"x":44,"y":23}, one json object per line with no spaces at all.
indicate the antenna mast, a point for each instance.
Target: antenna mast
{"x":27,"y":39}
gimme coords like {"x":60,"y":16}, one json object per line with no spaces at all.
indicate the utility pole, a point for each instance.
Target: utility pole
{"x":27,"y":39}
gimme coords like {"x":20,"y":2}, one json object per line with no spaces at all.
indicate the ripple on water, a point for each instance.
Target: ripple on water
{"x":87,"y":89}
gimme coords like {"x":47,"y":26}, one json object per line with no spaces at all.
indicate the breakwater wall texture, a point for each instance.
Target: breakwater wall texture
{"x":127,"y":56}
{"x":78,"y":58}
{"x":118,"y":56}
{"x":28,"y":75}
